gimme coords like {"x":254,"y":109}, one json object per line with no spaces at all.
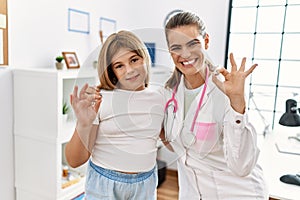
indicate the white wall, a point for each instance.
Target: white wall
{"x":38,"y":32}
{"x":6,"y":135}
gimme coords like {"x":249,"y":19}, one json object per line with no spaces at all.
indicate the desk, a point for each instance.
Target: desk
{"x":276,"y":164}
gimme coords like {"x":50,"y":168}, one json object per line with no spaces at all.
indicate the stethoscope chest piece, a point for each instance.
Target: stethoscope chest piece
{"x":170,"y":115}
{"x":188,"y":138}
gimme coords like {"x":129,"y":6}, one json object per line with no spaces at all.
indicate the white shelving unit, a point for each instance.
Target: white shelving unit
{"x":40,"y":132}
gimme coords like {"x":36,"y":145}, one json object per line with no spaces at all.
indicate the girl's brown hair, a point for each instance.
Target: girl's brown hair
{"x":183,"y":18}
{"x":116,"y":41}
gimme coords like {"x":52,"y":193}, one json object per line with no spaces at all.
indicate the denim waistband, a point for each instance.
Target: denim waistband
{"x":122,"y":177}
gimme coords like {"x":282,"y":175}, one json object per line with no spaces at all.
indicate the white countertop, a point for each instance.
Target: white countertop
{"x":276,"y":164}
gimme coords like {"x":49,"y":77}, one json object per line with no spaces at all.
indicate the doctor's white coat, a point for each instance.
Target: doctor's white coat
{"x":222,"y":163}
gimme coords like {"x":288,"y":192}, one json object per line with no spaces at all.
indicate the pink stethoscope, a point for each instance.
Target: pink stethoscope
{"x":173,"y":105}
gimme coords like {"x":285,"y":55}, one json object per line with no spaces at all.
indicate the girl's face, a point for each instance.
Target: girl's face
{"x":186,"y":46}
{"x":129,"y":69}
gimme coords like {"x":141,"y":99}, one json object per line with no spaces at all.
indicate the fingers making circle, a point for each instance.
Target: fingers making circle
{"x":93,"y":95}
{"x":88,"y":97}
{"x":223,"y":71}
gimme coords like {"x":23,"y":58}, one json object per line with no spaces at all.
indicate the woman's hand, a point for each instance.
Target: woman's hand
{"x":86,"y":105}
{"x":234,"y":83}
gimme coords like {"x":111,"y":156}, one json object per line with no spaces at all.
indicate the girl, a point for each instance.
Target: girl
{"x":211,"y":134}
{"x":118,"y":129}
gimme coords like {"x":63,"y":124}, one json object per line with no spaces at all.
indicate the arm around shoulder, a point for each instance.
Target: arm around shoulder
{"x":164,"y":141}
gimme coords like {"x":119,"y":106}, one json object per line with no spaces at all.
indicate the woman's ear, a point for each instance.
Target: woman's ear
{"x":206,"y":41}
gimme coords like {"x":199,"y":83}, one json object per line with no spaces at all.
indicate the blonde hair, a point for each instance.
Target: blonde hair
{"x":183,"y":18}
{"x":116,"y":41}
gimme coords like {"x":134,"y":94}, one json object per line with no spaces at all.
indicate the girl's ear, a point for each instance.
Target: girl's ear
{"x":206,"y":41}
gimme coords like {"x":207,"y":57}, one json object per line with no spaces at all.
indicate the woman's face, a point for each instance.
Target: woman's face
{"x":129,"y":69}
{"x":186,"y":46}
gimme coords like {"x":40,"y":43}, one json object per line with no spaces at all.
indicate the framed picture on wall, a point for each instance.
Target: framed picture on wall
{"x":107,"y":26}
{"x":78,"y":21}
{"x":71,"y":60}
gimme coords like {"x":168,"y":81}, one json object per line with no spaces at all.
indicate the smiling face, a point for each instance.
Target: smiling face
{"x":130,"y":70}
{"x":186,"y":46}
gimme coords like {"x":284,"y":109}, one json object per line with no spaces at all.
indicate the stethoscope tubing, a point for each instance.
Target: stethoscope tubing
{"x":175,"y":108}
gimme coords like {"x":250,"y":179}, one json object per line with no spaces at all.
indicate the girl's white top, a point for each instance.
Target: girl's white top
{"x":129,"y":127}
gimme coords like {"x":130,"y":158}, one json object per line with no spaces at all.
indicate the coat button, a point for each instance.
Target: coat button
{"x":238,"y":121}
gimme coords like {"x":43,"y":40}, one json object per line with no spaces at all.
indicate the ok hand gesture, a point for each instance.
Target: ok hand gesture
{"x":234,"y":83}
{"x":86,"y":105}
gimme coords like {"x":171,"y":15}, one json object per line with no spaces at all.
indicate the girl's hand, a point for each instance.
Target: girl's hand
{"x":234,"y":83}
{"x":86,"y":105}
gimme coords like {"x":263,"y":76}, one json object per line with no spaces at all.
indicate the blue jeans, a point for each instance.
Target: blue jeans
{"x":105,"y":184}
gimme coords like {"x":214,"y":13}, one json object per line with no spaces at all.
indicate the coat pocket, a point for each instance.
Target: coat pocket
{"x":205,"y":131}
{"x":206,"y":137}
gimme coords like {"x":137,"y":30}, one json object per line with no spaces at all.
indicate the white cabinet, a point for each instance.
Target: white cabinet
{"x":40,"y":131}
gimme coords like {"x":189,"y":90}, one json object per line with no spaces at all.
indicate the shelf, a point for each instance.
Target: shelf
{"x":78,"y":73}
{"x":40,"y":131}
{"x":69,"y":183}
{"x":76,"y":185}
{"x":73,"y":190}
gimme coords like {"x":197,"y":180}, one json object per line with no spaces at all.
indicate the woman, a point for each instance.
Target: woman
{"x":206,"y":123}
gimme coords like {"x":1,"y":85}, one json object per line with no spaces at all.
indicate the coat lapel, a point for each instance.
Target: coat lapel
{"x":180,"y":99}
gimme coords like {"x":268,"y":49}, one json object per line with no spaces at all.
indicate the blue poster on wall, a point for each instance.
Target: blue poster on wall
{"x":151,"y":49}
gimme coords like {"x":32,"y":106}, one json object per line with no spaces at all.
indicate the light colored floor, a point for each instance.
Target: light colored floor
{"x":168,"y":190}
